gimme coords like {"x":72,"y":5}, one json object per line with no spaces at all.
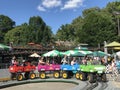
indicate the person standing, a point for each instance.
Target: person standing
{"x":114,"y":69}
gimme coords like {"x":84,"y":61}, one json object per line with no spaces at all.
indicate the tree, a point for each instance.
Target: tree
{"x":36,"y":31}
{"x":6,"y":24}
{"x":113,"y":6}
{"x":98,"y":27}
{"x":77,"y":25}
{"x":43,"y":32}
{"x":94,"y":27}
{"x":18,"y":35}
{"x":66,"y":32}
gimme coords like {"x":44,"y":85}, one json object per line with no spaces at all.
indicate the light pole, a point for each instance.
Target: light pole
{"x":118,"y":27}
{"x":118,"y":21}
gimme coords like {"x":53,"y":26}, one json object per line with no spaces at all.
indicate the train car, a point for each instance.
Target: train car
{"x":48,"y":68}
{"x":92,"y":73}
{"x":69,"y":70}
{"x":19,"y":72}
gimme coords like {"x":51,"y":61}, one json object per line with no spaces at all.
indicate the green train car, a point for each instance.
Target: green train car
{"x":92,"y":73}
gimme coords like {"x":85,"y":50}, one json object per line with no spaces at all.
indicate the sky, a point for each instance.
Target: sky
{"x":53,"y":12}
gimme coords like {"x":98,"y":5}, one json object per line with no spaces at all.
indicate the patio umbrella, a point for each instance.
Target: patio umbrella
{"x":99,"y":54}
{"x":113,"y":44}
{"x":81,"y":48}
{"x":5,"y":47}
{"x":35,"y":55}
{"x":73,"y":53}
{"x":85,"y":52}
{"x":53,"y":53}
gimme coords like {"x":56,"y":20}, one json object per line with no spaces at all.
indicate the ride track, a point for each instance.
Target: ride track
{"x":80,"y":84}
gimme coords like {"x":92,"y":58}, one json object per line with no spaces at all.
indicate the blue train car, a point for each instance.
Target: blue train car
{"x":69,"y":70}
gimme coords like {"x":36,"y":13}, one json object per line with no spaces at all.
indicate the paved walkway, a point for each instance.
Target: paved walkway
{"x":4,"y":73}
{"x":115,"y":83}
{"x":43,"y":86}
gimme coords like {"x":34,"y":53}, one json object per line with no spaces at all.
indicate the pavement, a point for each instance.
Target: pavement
{"x":4,"y":73}
{"x":115,"y":82}
{"x":42,"y":86}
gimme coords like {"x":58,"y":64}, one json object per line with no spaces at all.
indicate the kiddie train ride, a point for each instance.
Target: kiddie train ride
{"x":81,"y":72}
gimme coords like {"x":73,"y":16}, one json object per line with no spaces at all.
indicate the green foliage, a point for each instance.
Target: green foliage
{"x":94,"y":27}
{"x":98,"y":27}
{"x":77,"y":25}
{"x":6,"y":24}
{"x":112,"y":7}
{"x":36,"y":31}
{"x":66,"y":32}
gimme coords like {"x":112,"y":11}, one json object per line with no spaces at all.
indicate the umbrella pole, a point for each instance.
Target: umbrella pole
{"x":54,"y":60}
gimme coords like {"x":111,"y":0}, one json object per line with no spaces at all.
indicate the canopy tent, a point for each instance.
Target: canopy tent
{"x":113,"y":44}
{"x":53,"y":53}
{"x":116,"y":48}
{"x":34,"y":55}
{"x":5,"y":47}
{"x":99,"y":54}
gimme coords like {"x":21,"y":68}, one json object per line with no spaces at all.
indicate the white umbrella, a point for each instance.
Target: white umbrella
{"x":53,"y":53}
{"x":5,"y":47}
{"x":85,"y":52}
{"x":35,"y":55}
{"x":73,"y":53}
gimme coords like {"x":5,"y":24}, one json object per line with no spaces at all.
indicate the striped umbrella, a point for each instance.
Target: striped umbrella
{"x":73,"y":53}
{"x":5,"y":47}
{"x":99,"y":53}
{"x":85,"y":52}
{"x":53,"y":53}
